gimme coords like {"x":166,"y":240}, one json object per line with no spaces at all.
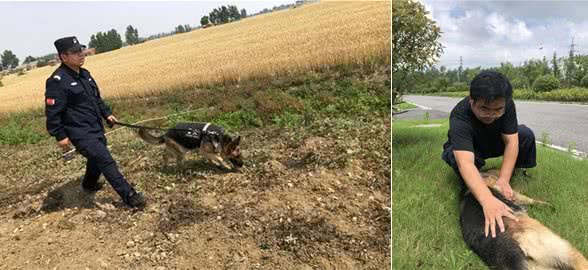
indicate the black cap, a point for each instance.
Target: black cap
{"x":68,"y":44}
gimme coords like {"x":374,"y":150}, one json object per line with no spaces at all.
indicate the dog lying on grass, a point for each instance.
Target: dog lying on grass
{"x":525,"y":244}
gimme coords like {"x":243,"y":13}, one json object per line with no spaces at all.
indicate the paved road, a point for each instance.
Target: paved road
{"x":565,"y":124}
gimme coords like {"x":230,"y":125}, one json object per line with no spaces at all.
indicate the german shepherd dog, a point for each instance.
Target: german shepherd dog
{"x":525,"y":244}
{"x":210,"y":140}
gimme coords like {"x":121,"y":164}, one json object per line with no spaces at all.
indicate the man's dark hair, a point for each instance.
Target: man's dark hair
{"x":490,"y":85}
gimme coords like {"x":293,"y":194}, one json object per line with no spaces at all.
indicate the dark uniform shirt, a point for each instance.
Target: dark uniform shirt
{"x":73,"y":106}
{"x":468,"y":133}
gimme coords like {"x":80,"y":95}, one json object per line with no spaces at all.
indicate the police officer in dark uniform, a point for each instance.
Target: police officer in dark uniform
{"x":74,"y":111}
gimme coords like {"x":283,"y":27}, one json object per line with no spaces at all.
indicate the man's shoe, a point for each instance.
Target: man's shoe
{"x":91,"y":187}
{"x":521,"y":171}
{"x":135,"y":199}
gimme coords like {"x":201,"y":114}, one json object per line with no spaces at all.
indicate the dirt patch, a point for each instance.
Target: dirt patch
{"x":180,"y":210}
{"x":315,"y":198}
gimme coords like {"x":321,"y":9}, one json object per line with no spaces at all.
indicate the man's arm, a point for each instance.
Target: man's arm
{"x":104,"y":109}
{"x":493,"y":208}
{"x":511,"y":152}
{"x":55,"y":104}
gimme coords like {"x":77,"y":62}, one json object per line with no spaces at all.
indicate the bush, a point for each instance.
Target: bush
{"x":523,"y":93}
{"x":458,"y":87}
{"x":584,"y":81}
{"x":575,"y":94}
{"x":545,"y":83}
{"x":16,"y":132}
{"x":42,"y":63}
{"x":287,"y":120}
{"x":235,"y":121}
{"x":441,"y":84}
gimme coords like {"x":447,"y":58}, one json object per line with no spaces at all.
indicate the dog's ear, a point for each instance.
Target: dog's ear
{"x":237,"y":141}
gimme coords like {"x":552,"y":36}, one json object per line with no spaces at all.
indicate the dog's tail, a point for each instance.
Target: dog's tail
{"x":146,"y":136}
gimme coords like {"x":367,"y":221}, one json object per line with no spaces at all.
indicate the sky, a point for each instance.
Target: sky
{"x":30,"y":28}
{"x":486,"y":33}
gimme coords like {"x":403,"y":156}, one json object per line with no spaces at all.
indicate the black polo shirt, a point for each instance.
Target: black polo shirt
{"x":468,"y":133}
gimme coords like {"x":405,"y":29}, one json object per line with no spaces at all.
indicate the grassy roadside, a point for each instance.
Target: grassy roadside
{"x":426,"y":231}
{"x":405,"y":106}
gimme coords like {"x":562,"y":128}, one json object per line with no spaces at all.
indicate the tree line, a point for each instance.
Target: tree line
{"x":111,"y":40}
{"x":540,"y":75}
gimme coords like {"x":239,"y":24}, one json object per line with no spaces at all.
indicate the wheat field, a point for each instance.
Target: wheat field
{"x":294,"y":40}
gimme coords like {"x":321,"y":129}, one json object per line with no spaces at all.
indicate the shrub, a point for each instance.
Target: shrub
{"x":584,"y":81}
{"x":458,"y":87}
{"x":545,"y":83}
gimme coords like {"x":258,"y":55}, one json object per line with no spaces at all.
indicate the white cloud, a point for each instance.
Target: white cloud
{"x":487,"y":33}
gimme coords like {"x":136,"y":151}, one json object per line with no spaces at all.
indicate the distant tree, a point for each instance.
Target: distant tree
{"x":42,"y":63}
{"x":234,"y":14}
{"x":570,"y":69}
{"x":105,"y":42}
{"x":415,"y":44}
{"x":29,"y":59}
{"x":555,"y":66}
{"x":243,"y":13}
{"x":204,"y":20}
{"x":132,"y":35}
{"x":224,"y":14}
{"x":213,"y":16}
{"x":534,"y":68}
{"x":9,"y":60}
{"x":180,"y":29}
{"x":187,"y":28}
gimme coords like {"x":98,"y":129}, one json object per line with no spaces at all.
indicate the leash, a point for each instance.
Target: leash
{"x":151,"y":128}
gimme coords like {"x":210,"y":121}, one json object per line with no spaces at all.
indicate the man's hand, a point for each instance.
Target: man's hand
{"x":505,"y":188}
{"x":65,"y":144}
{"x":494,"y":210}
{"x":111,"y":120}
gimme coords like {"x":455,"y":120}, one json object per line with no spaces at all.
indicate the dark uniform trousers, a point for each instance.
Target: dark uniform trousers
{"x":100,"y":161}
{"x":525,"y":159}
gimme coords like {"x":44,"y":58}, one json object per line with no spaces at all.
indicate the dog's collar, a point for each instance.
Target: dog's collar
{"x":206,"y":127}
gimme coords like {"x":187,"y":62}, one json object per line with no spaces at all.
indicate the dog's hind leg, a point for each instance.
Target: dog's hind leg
{"x":522,"y":199}
{"x":544,"y":248}
{"x":175,"y":150}
{"x":166,"y":158}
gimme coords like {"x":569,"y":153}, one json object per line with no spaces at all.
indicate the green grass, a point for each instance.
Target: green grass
{"x":405,"y":106}
{"x":425,"y":222}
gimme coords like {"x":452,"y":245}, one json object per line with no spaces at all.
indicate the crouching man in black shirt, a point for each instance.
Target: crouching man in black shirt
{"x":484,"y":125}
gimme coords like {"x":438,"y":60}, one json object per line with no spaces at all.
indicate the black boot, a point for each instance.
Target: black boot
{"x":91,"y":188}
{"x":135,"y":199}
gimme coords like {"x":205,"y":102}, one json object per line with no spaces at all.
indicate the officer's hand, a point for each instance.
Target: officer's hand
{"x":111,"y":121}
{"x":65,"y":144}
